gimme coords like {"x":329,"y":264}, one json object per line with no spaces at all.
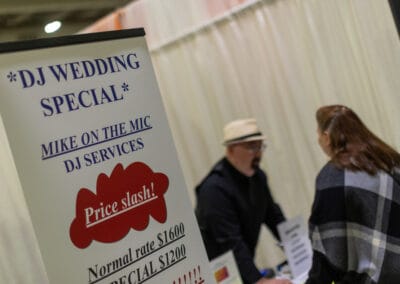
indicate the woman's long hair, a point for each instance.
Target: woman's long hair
{"x":352,"y":144}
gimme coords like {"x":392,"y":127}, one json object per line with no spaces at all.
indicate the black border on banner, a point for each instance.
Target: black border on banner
{"x":395,"y":7}
{"x":69,"y":40}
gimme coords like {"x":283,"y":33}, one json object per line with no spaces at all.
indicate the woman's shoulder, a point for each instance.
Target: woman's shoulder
{"x":330,"y":176}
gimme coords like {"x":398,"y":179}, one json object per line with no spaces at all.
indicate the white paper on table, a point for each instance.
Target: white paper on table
{"x":225,"y":269}
{"x":297,"y":246}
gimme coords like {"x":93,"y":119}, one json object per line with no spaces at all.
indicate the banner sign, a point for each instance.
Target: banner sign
{"x":225,"y":269}
{"x":97,"y":162}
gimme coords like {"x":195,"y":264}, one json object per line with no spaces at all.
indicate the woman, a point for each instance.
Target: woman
{"x":354,"y":223}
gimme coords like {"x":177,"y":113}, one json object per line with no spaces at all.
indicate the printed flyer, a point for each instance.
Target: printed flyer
{"x":97,"y":163}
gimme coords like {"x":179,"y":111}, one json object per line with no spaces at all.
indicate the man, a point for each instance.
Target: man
{"x":234,"y":200}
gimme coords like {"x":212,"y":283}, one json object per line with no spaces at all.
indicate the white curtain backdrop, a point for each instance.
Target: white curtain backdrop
{"x":277,"y":61}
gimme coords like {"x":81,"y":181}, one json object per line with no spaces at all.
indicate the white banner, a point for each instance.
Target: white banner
{"x":97,"y":162}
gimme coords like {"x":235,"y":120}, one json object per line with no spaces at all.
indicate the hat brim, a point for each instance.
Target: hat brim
{"x":246,"y":139}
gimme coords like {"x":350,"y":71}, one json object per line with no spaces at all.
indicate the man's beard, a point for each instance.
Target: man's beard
{"x":255,"y":163}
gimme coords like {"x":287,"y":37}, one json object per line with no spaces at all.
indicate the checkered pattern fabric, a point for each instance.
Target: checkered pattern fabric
{"x":355,"y":226}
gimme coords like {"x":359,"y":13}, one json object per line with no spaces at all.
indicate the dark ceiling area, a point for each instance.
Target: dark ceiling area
{"x":25,"y":19}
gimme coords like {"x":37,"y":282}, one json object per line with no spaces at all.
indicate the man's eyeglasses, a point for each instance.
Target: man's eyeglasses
{"x":255,"y":148}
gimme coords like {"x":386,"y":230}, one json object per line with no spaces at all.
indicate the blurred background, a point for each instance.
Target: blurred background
{"x":26,"y":19}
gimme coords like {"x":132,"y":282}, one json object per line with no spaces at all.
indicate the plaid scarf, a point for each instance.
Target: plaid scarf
{"x":355,"y":225}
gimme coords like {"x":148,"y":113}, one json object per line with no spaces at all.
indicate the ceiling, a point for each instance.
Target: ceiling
{"x":25,"y":19}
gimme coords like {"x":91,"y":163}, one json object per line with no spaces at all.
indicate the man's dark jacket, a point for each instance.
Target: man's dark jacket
{"x":230,"y":210}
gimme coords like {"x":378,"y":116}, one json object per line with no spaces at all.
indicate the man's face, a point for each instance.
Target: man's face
{"x":248,"y":154}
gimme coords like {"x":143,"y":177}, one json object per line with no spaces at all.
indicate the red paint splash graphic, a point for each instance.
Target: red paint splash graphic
{"x":122,"y":201}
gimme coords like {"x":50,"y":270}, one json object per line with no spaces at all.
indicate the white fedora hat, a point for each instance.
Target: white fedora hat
{"x":242,"y":130}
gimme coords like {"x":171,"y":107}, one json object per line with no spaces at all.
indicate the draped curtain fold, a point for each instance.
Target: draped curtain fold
{"x":275,"y":60}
